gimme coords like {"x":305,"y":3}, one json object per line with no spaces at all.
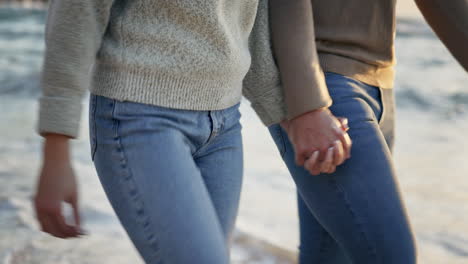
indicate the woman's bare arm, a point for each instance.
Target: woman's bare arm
{"x":74,"y":33}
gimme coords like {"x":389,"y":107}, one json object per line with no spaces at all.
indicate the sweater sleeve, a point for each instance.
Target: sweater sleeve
{"x":295,"y":50}
{"x":449,"y":20}
{"x":262,"y":84}
{"x":74,"y":32}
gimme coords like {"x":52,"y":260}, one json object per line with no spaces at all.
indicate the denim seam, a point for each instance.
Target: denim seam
{"x":323,"y":244}
{"x":94,"y":128}
{"x":383,"y":107}
{"x":341,"y":191}
{"x":215,"y":126}
{"x":213,"y":134}
{"x":282,"y":141}
{"x":130,"y":186}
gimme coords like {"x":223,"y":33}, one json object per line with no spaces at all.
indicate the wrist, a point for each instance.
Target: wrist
{"x":56,"y":147}
{"x":313,"y":112}
{"x":53,"y":137}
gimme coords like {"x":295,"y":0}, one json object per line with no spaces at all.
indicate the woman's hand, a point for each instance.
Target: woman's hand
{"x":320,"y":140}
{"x":57,"y":184}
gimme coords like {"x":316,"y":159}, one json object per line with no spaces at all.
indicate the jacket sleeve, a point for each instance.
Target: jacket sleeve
{"x":295,"y":50}
{"x":449,"y":20}
{"x":74,"y":32}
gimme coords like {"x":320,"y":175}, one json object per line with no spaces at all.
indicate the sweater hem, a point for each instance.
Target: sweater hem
{"x":165,"y":90}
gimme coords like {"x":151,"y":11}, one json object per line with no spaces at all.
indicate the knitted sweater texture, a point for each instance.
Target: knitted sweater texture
{"x":183,"y":54}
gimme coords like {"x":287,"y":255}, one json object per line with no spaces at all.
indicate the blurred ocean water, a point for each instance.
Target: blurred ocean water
{"x":431,"y":158}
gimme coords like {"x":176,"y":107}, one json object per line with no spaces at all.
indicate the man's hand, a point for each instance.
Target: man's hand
{"x":320,"y":140}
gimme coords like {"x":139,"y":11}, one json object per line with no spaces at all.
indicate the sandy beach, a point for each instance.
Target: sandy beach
{"x":430,"y":155}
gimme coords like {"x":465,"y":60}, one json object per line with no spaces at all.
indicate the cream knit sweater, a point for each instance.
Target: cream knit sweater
{"x":184,"y":54}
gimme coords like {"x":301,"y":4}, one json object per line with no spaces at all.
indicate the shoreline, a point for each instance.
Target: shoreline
{"x":16,"y":213}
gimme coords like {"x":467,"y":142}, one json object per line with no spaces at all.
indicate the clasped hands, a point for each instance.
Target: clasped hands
{"x":320,"y":140}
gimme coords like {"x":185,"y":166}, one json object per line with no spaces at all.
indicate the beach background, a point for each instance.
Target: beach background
{"x":430,"y":155}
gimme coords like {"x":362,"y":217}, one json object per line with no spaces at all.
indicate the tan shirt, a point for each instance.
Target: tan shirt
{"x":350,"y":37}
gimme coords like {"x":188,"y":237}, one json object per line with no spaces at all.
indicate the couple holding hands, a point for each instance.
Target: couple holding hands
{"x":166,"y":78}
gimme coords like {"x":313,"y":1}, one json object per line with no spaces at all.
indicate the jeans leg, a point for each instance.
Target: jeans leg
{"x":316,"y":245}
{"x":360,"y":204}
{"x":145,"y":165}
{"x":221,"y":166}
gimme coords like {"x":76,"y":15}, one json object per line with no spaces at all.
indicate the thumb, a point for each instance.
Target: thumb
{"x":300,"y":154}
{"x":344,"y":123}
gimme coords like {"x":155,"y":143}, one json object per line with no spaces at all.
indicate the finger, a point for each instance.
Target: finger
{"x":310,"y":163}
{"x":315,"y":167}
{"x":344,"y":123}
{"x":315,"y":170}
{"x":325,"y":166}
{"x":40,"y":218}
{"x":346,"y":143}
{"x":331,"y":169}
{"x":331,"y":165}
{"x":307,"y":165}
{"x":61,"y":226}
{"x":76,"y":216}
{"x":304,"y":153}
{"x":345,"y":140}
{"x":42,"y":213}
{"x":339,"y":154}
{"x":48,"y":226}
{"x":300,"y":156}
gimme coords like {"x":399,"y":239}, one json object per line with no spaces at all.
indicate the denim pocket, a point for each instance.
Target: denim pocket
{"x":383,"y":106}
{"x":388,"y":105}
{"x":92,"y":124}
{"x":387,"y":118}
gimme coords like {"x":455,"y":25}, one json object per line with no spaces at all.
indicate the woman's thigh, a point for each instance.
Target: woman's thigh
{"x":360,"y":204}
{"x":220,"y":162}
{"x":145,"y":164}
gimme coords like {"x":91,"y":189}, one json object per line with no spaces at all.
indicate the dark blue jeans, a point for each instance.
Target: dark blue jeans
{"x":355,"y":215}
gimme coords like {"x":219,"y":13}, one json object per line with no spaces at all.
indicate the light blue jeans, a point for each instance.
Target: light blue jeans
{"x":173,"y":177}
{"x":355,"y":215}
